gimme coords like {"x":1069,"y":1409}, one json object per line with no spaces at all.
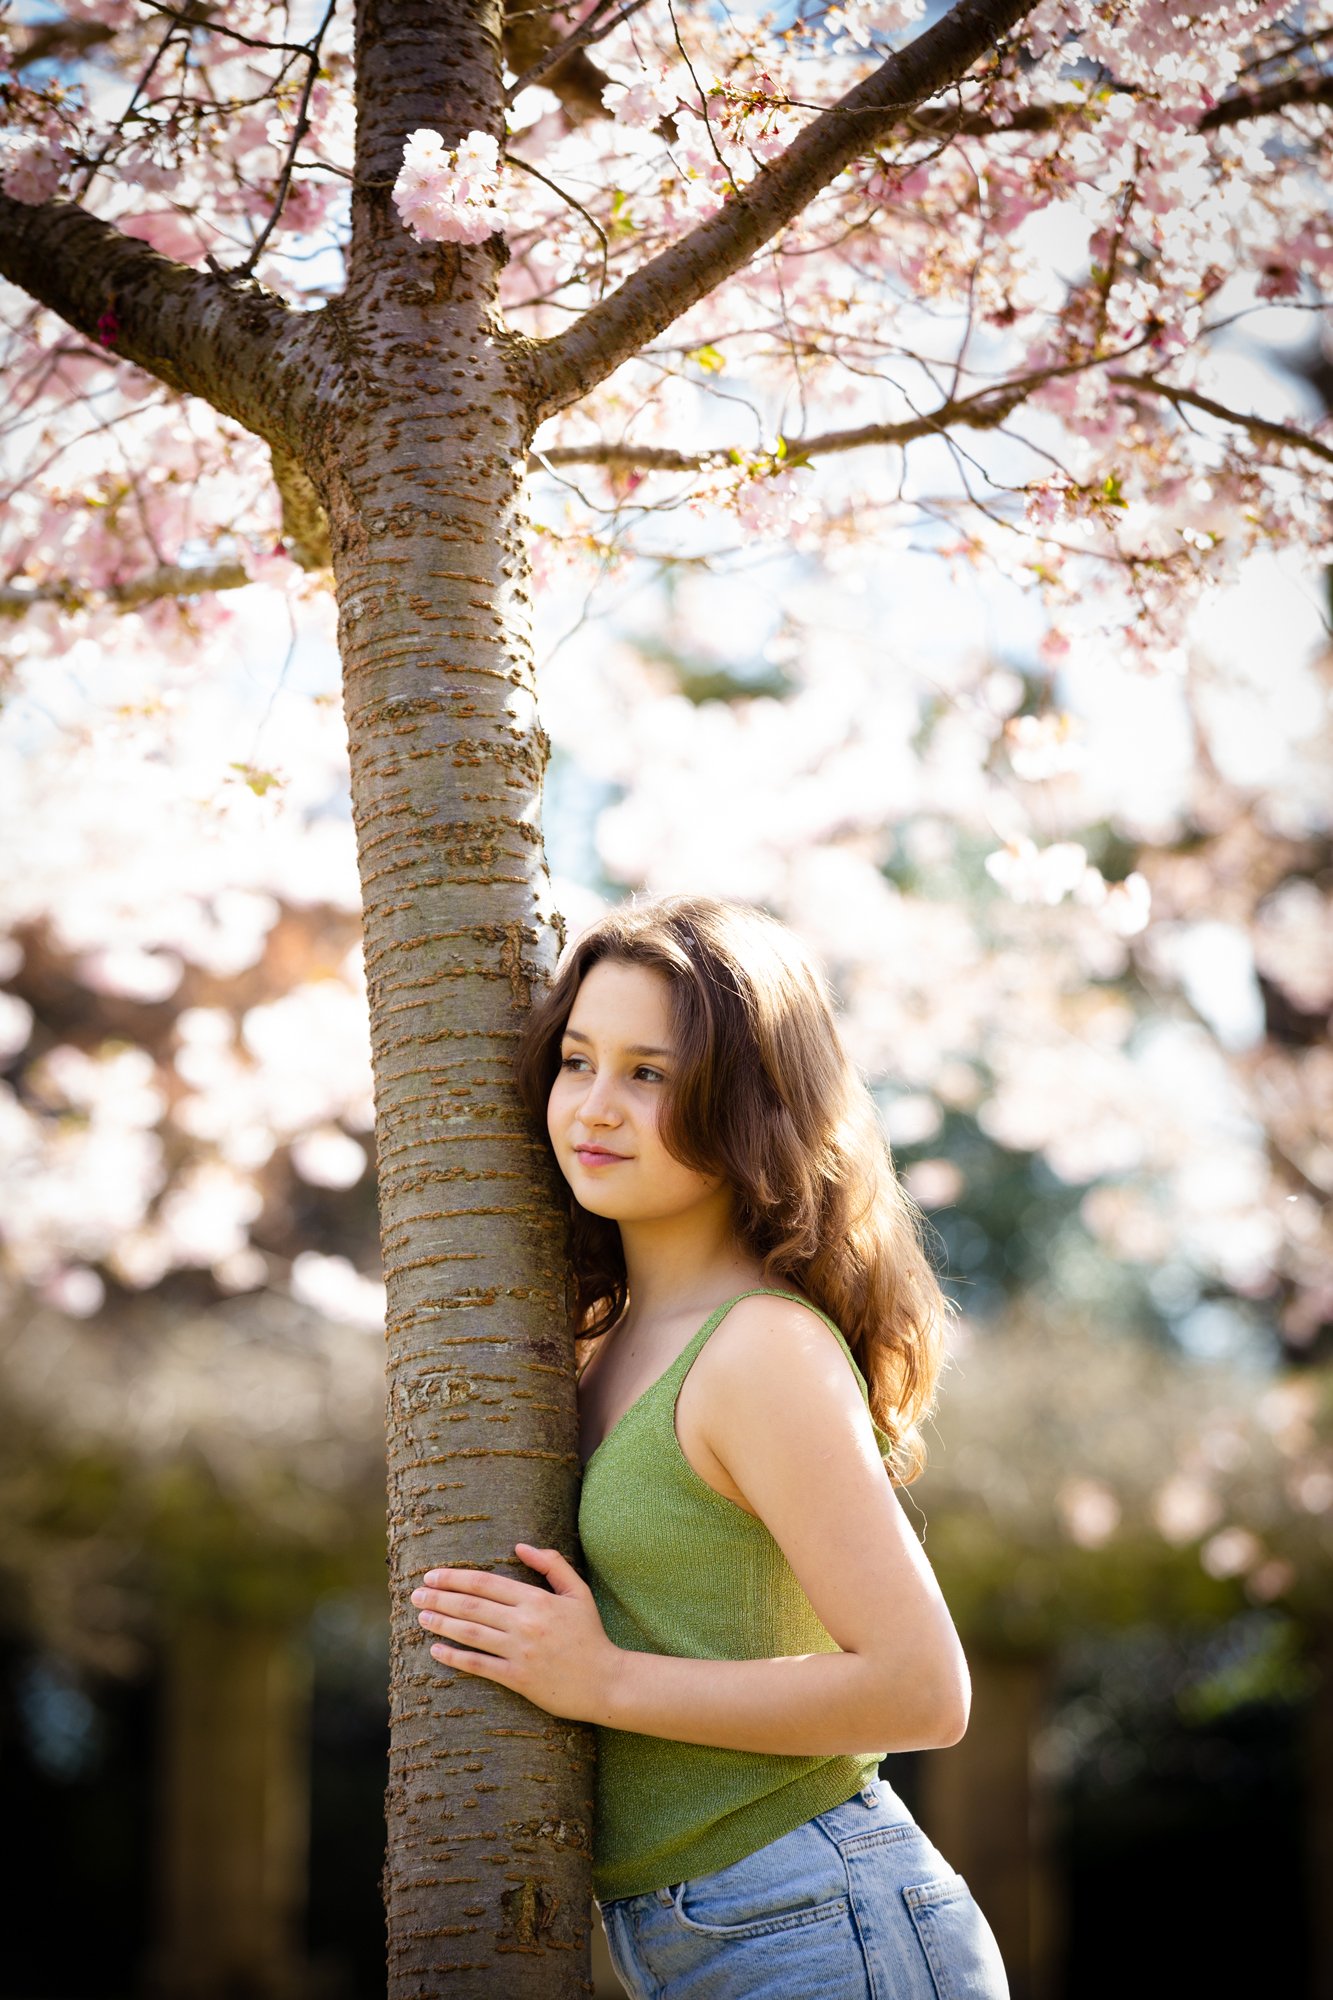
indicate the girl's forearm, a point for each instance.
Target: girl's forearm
{"x":806,"y":1705}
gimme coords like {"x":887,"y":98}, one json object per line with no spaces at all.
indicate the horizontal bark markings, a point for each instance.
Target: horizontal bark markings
{"x":426,"y":941}
{"x":402,"y":707}
{"x":501,"y":1451}
{"x":430,"y":1312}
{"x":403,"y":1105}
{"x":458,"y":881}
{"x":470,"y":841}
{"x":414,"y":1222}
{"x":411,"y":1007}
{"x":431,"y":979}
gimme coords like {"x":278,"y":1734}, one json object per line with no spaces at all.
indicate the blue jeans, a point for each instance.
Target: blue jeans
{"x":856,"y":1904}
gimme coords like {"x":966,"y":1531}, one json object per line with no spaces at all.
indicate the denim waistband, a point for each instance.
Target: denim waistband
{"x":868,"y":1795}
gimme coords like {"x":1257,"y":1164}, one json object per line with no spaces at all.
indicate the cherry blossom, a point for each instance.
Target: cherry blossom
{"x":31,"y":167}
{"x":643,"y":101}
{"x":1033,"y":875}
{"x":449,"y":195}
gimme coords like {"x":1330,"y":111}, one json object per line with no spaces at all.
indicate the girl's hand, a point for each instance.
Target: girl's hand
{"x":548,"y":1645}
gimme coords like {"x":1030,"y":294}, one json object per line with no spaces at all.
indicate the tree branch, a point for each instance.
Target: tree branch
{"x":535,"y":50}
{"x":983,"y":411}
{"x":172,"y":580}
{"x":304,"y":526}
{"x":1262,"y":429}
{"x":1313,"y":87}
{"x":561,"y":65}
{"x":237,"y":346}
{"x":304,"y":522}
{"x":569,"y":364}
{"x":61,"y":39}
{"x":940,"y":121}
{"x":299,"y":130}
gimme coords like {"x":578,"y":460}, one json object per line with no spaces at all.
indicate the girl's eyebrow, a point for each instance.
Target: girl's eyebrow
{"x":630,"y":1048}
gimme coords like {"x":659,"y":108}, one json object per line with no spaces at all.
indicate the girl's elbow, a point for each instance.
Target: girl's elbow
{"x":953,"y":1727}
{"x":954,"y":1706}
{"x":935,"y":1720}
{"x":949,"y":1709}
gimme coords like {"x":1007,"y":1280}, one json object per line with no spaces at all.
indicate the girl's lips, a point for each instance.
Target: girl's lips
{"x":592,"y":1156}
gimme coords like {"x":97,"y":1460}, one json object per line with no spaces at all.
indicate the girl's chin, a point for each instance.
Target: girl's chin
{"x":591,"y":1198}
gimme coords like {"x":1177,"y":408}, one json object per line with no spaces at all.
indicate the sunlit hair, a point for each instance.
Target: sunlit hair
{"x":762,"y":1092}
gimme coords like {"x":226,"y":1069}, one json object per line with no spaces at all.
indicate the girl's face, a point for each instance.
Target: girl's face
{"x":616,"y":1058}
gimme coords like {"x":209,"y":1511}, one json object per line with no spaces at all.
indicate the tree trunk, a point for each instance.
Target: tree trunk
{"x":233,"y":1815}
{"x":982,"y":1809}
{"x":489,"y":1807}
{"x":414,"y":431}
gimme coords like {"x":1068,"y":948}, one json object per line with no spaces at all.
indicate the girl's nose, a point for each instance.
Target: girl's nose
{"x":601,"y":1096}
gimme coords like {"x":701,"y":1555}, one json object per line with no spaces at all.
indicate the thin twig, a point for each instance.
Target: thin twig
{"x":126,"y":114}
{"x":1258,"y":427}
{"x":555,"y":188}
{"x":703,"y":98}
{"x":302,"y":126}
{"x":582,"y":37}
{"x":212,"y":27}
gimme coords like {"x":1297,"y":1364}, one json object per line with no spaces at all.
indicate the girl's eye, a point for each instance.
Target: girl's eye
{"x":567,"y":1062}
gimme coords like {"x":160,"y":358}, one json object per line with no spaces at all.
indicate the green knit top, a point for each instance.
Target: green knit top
{"x":677,"y":1568}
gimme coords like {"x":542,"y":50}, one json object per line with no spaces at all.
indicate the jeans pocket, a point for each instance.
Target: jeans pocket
{"x":958,"y":1943}
{"x":617,"y":1948}
{"x":796,"y":1880}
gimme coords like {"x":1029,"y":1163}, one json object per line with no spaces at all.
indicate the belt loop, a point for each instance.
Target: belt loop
{"x":870,"y":1794}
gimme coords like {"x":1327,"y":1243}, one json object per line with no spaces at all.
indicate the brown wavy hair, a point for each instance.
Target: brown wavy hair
{"x":763,"y":1092}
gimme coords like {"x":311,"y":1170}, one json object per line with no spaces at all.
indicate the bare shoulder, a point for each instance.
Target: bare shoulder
{"x":788,"y":1425}
{"x":763,"y":1326}
{"x":781,"y":1360}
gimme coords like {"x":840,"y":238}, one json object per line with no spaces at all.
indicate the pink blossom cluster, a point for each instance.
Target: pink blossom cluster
{"x":773,"y":502}
{"x":450,"y":194}
{"x":648,"y":98}
{"x":31,"y":166}
{"x":861,"y":22}
{"x":757,"y":117}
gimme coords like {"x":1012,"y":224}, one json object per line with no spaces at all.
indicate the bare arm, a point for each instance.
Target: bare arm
{"x":789,"y":1424}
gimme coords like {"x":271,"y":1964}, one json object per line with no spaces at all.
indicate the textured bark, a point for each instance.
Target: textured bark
{"x":421,"y":471}
{"x":489,"y":1805}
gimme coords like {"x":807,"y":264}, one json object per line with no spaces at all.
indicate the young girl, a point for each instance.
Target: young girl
{"x":760,"y":1333}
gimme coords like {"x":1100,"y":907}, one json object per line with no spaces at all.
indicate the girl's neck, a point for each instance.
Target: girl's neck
{"x":675,"y":1263}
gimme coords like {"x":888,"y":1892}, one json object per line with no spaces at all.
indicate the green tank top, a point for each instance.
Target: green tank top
{"x":677,"y":1568}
